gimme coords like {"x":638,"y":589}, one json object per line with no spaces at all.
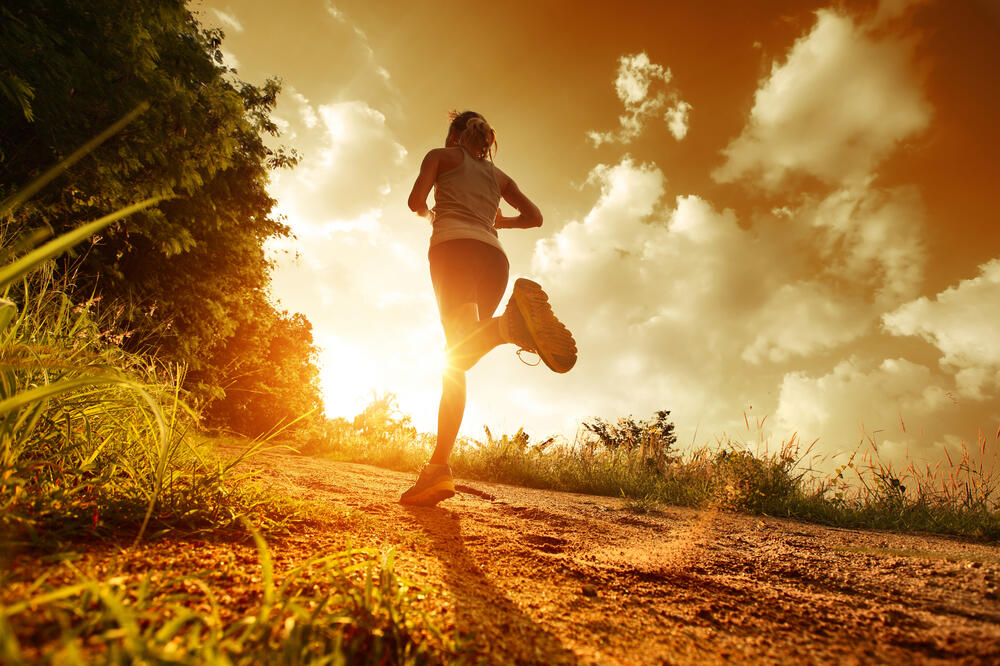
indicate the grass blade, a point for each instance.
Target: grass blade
{"x":17,"y":269}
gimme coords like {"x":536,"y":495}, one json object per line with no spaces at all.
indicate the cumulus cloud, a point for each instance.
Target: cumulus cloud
{"x":901,"y":405}
{"x":669,"y":286}
{"x":961,"y":322}
{"x":872,"y":239}
{"x":350,"y":157}
{"x":643,"y":88}
{"x":694,"y":263}
{"x":838,"y":104}
{"x":802,"y":318}
{"x":890,"y":10}
{"x":676,"y":118}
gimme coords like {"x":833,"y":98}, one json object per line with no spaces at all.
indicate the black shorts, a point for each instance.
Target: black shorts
{"x":468,"y":271}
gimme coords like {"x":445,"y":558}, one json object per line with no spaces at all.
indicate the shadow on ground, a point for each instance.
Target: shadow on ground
{"x":499,"y":628}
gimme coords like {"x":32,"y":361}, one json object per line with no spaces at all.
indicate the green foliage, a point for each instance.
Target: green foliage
{"x":655,"y":434}
{"x":94,"y":439}
{"x":89,"y":434}
{"x":184,"y":272}
{"x":269,"y":375}
{"x":349,"y":607}
{"x":758,"y":483}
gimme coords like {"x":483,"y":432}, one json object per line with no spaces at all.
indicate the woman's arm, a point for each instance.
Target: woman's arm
{"x":424,"y":183}
{"x":529,"y":216}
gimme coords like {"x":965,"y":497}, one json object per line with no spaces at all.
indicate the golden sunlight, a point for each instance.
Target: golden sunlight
{"x":345,"y":376}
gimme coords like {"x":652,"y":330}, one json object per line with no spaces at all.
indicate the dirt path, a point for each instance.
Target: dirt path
{"x":549,"y":577}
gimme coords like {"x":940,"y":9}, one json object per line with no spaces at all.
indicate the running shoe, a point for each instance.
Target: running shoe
{"x":433,"y":485}
{"x":533,"y":326}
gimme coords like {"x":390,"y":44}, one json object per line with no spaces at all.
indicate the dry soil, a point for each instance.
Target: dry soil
{"x":550,"y":578}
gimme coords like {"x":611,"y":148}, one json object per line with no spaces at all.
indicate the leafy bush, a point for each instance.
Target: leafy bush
{"x":191,"y":274}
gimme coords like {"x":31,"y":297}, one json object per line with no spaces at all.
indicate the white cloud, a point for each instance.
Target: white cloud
{"x":802,"y":318}
{"x":658,"y":297}
{"x":637,"y":75}
{"x":871,"y":239}
{"x":860,"y":399}
{"x":841,"y":101}
{"x":961,"y":321}
{"x":684,"y":307}
{"x":890,"y":10}
{"x":229,"y":20}
{"x":362,"y":36}
{"x":350,"y":158}
{"x":229,"y":60}
{"x":306,"y":111}
{"x":677,"y":119}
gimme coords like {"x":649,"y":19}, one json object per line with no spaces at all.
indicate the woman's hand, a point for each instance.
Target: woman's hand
{"x":521,"y":221}
{"x":424,"y":212}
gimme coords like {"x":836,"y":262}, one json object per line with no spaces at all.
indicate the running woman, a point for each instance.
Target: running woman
{"x":469,"y":272}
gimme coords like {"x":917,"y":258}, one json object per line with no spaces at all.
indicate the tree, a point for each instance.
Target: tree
{"x":187,"y":272}
{"x":268,"y":371}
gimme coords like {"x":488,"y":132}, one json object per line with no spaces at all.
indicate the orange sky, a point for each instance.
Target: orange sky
{"x":815,"y":235}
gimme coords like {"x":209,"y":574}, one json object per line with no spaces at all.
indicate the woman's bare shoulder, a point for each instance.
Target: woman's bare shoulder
{"x":502,"y":178}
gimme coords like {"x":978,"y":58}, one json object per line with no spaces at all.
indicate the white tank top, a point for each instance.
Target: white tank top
{"x":465,"y":203}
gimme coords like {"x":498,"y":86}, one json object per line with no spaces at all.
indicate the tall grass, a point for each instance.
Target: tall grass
{"x":957,"y":495}
{"x":349,"y":607}
{"x":114,"y":448}
{"x":379,"y":435}
{"x":636,"y":460}
{"x":93,"y":440}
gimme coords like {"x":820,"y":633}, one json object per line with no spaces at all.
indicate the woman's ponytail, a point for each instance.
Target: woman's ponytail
{"x":473,"y":133}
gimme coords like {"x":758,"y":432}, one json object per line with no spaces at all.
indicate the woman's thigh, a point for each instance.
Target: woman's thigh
{"x":467,"y":271}
{"x":493,"y":275}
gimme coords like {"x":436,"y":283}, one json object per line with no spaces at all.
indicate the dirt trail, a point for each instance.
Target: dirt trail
{"x":551,"y":578}
{"x":548,"y":577}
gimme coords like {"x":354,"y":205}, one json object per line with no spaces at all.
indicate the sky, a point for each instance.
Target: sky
{"x":777,"y":212}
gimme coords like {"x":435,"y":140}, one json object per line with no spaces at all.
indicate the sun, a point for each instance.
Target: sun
{"x":346,"y":376}
{"x":352,"y":372}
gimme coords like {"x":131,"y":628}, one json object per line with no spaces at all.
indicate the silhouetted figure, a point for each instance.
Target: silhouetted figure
{"x":469,"y":272}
